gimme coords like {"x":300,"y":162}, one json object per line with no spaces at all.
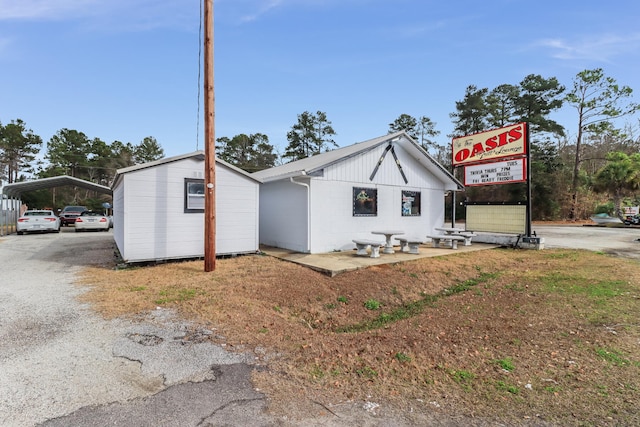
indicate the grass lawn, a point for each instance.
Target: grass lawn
{"x":508,"y":335}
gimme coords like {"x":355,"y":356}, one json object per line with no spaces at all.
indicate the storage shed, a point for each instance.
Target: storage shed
{"x":158,"y":209}
{"x":321,"y":203}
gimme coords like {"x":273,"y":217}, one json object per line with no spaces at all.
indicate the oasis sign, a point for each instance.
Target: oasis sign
{"x":510,"y":141}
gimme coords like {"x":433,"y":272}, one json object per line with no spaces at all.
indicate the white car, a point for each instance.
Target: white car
{"x":38,"y":220}
{"x":90,"y":220}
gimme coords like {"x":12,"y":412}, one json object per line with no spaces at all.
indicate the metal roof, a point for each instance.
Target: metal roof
{"x":198,"y":155}
{"x":17,"y":188}
{"x":311,"y":164}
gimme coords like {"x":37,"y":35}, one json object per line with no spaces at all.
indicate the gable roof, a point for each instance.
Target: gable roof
{"x":309,"y":165}
{"x":198,"y":155}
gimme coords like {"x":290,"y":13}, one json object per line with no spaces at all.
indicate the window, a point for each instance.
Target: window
{"x":410,"y":203}
{"x":365,"y":201}
{"x":193,"y":195}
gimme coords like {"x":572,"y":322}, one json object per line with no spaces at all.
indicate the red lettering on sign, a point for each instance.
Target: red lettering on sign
{"x":503,"y":139}
{"x":477,"y":149}
{"x":515,"y":134}
{"x":482,"y":150}
{"x":462,"y":155}
{"x":491,"y":143}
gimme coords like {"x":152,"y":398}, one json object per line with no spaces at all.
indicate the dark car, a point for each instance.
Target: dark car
{"x":632,"y":220}
{"x":69,"y":214}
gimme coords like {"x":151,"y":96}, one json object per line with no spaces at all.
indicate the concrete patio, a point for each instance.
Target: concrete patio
{"x":334,"y":263}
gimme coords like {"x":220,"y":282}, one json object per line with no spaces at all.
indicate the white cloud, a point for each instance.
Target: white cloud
{"x":601,"y":48}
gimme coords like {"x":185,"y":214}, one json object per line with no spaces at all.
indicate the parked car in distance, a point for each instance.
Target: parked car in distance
{"x":38,"y":220}
{"x":89,"y":220}
{"x":69,"y":214}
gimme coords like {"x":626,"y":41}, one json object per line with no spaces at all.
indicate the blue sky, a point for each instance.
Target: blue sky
{"x":127,"y":69}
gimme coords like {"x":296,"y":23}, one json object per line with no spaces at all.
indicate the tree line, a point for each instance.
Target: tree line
{"x":568,"y":173}
{"x":68,"y":152}
{"x":596,"y":169}
{"x":572,"y":176}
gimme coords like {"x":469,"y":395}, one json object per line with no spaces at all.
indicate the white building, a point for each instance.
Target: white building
{"x":321,"y":203}
{"x":158,"y":209}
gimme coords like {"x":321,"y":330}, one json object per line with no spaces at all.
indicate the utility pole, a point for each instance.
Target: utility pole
{"x":209,"y":144}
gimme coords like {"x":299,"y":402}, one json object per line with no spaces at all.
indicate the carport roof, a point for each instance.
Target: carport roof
{"x":17,"y":188}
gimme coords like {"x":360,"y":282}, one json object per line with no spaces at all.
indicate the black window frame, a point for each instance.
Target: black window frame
{"x":415,"y":204}
{"x":368,"y":206}
{"x":187,"y":206}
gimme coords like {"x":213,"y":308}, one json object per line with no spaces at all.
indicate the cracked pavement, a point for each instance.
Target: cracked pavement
{"x":63,"y":365}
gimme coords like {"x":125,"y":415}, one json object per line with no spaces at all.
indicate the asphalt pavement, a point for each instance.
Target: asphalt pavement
{"x":62,"y":365}
{"x":623,"y":241}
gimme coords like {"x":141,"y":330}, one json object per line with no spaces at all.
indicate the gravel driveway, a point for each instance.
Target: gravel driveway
{"x":57,"y":356}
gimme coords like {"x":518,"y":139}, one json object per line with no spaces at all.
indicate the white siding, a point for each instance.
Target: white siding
{"x":283,"y":215}
{"x":334,"y":226}
{"x":118,"y":218}
{"x":237,"y":199}
{"x":359,"y":169}
{"x":155,"y":226}
{"x":155,"y":223}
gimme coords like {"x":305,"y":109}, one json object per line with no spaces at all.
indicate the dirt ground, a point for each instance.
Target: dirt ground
{"x":503,"y":335}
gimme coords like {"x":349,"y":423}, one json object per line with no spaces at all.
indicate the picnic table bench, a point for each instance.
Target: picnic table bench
{"x":410,"y":245}
{"x":454,"y":239}
{"x":458,"y":232}
{"x":363,"y":244}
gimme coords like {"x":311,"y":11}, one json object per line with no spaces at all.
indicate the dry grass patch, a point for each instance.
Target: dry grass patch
{"x":505,"y":334}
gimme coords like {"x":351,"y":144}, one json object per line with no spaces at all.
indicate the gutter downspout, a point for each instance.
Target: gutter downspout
{"x":304,"y":184}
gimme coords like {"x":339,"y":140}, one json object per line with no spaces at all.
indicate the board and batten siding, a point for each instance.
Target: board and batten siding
{"x":360,"y":167}
{"x":320,"y":218}
{"x":334,"y":226}
{"x":156,"y":227}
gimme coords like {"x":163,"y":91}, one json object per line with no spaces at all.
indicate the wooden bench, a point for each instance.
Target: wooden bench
{"x":410,"y":245}
{"x":451,"y":237}
{"x":363,"y":244}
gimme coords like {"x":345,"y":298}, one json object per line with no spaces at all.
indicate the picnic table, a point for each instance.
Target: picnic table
{"x":450,"y":230}
{"x":388,"y":247}
{"x":455,"y":231}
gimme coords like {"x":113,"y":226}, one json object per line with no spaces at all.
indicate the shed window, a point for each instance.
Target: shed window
{"x":193,"y":195}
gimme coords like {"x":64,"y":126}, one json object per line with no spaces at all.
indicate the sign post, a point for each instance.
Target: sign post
{"x":528,"y":161}
{"x":497,"y":156}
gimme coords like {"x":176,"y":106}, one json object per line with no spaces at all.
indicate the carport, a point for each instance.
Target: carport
{"x":10,"y":201}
